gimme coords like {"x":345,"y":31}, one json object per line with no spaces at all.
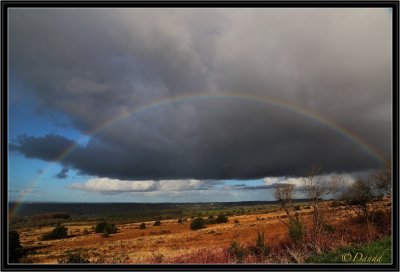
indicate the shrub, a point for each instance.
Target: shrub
{"x":260,"y":244}
{"x":142,"y":226}
{"x":296,"y":230}
{"x":260,"y":248}
{"x":99,"y":228}
{"x":380,"y":219}
{"x":105,"y":228}
{"x":328,"y":228}
{"x":74,"y":258}
{"x":86,"y":231}
{"x":106,"y":233}
{"x":180,"y":221}
{"x":197,"y":223}
{"x":221,"y":218}
{"x":236,"y":221}
{"x":157,"y":223}
{"x":15,"y":249}
{"x":296,"y":207}
{"x":58,"y":232}
{"x":157,"y":257}
{"x":211,"y":217}
{"x":237,"y":252}
{"x":335,"y":204}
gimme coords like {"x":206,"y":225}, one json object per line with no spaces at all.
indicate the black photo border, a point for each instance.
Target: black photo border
{"x":6,"y":5}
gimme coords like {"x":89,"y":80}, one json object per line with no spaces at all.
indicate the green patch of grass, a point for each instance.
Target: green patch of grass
{"x":374,"y":252}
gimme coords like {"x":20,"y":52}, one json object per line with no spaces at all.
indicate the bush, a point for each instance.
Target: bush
{"x":381,"y":219}
{"x":58,"y":232}
{"x":106,"y":233}
{"x":297,"y":208}
{"x":157,"y":257}
{"x":260,"y":248}
{"x":296,"y":230}
{"x":197,"y":223}
{"x":237,"y":252}
{"x":74,"y":258}
{"x":105,"y":228}
{"x":142,"y":226}
{"x":14,"y":246}
{"x":99,"y":228}
{"x":211,"y":217}
{"x":236,"y":221}
{"x":86,"y":231}
{"x":221,"y":218}
{"x":328,"y":228}
{"x":157,"y":223}
{"x":335,"y":204}
{"x":180,"y":221}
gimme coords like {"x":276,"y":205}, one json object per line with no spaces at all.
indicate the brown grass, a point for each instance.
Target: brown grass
{"x":174,"y":242}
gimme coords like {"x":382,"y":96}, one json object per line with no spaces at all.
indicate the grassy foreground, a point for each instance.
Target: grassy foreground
{"x":374,"y":252}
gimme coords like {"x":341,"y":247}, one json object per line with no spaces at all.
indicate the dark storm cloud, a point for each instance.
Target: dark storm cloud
{"x":63,"y":174}
{"x":93,"y":65}
{"x":47,"y":148}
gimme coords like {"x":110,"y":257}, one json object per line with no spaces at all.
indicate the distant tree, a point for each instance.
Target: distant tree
{"x":58,"y":232}
{"x":14,"y":246}
{"x":365,"y":191}
{"x":222,"y":218}
{"x":142,"y":226}
{"x":105,"y":228}
{"x":197,"y":223}
{"x":359,"y":195}
{"x":100,"y":227}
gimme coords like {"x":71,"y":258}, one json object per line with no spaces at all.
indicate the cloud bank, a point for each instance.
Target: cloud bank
{"x":92,"y":65}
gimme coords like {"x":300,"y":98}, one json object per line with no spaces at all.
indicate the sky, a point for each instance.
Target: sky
{"x":193,"y":105}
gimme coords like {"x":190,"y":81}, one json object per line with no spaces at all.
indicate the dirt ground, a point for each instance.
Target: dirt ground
{"x":172,"y":239}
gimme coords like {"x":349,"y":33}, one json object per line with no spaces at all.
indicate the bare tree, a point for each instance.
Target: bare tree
{"x":382,"y":179}
{"x":284,"y":195}
{"x":360,"y":195}
{"x":336,"y":186}
{"x":363,"y":193}
{"x":314,"y":188}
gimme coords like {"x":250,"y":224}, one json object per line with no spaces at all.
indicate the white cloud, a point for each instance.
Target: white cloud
{"x":114,"y":185}
{"x":348,"y":178}
{"x":272,"y":180}
{"x":107,"y":185}
{"x":179,"y":185}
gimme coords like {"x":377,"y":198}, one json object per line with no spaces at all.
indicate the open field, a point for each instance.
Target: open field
{"x":174,"y":242}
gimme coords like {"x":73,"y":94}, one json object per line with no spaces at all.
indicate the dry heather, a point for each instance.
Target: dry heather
{"x":173,"y":242}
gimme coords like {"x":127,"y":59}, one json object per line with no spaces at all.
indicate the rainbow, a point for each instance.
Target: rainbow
{"x":196,"y":96}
